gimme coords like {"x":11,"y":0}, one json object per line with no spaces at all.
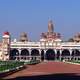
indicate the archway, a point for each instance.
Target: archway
{"x":50,"y":54}
{"x":24,"y":54}
{"x":35,"y":54}
{"x":65,"y":54}
{"x":75,"y":52}
{"x":13,"y":54}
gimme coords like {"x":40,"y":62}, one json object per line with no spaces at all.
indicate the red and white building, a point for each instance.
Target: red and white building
{"x":50,"y":47}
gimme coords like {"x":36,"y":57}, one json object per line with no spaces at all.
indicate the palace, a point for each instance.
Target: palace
{"x":49,"y":47}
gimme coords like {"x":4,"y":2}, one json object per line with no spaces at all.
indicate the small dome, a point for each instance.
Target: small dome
{"x":23,"y":34}
{"x":6,"y":33}
{"x":23,"y":37}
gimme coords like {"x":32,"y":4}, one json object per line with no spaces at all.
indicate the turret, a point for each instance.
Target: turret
{"x":6,"y":45}
{"x":6,"y":37}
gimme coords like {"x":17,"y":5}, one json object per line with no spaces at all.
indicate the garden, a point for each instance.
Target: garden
{"x":6,"y":66}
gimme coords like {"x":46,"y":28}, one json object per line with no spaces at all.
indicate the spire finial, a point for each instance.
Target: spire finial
{"x":50,"y":26}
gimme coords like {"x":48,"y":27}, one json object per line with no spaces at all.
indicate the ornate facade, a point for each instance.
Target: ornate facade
{"x":50,"y":47}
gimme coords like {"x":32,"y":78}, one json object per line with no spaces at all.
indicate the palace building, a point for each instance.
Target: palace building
{"x":49,"y":47}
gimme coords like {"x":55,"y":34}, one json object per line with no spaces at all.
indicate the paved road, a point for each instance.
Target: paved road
{"x":45,"y":68}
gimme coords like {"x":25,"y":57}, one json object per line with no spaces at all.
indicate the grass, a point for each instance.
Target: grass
{"x":75,"y":61}
{"x":9,"y":65}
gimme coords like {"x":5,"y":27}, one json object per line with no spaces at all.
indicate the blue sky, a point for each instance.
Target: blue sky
{"x":31,"y":16}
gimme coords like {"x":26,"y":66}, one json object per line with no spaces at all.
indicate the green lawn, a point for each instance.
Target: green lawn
{"x":9,"y":65}
{"x":74,"y":61}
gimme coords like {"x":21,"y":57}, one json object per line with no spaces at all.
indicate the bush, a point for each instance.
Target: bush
{"x":34,"y":61}
{"x":5,"y":65}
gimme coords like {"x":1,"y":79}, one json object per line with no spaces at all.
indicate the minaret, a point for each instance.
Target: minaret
{"x":50,"y":27}
{"x":6,"y":45}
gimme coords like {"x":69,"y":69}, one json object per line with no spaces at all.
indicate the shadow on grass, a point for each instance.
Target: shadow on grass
{"x":67,"y":76}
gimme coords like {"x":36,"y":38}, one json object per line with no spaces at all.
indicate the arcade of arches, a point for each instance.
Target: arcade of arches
{"x":49,"y":54}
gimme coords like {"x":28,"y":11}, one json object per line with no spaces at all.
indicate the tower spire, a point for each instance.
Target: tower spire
{"x":50,"y":26}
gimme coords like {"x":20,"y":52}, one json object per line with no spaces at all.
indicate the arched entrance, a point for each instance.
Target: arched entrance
{"x":24,"y":54}
{"x":75,"y":54}
{"x":35,"y":54}
{"x":50,"y":54}
{"x":14,"y":54}
{"x":65,"y":54}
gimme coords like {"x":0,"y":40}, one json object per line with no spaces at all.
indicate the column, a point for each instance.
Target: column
{"x":40,"y":54}
{"x":60,"y":54}
{"x":30,"y":57}
{"x":70,"y":53}
{"x":55,"y":54}
{"x":45,"y":55}
{"x":19,"y":54}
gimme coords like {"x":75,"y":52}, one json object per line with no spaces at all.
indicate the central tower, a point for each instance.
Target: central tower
{"x":51,"y":35}
{"x":50,"y":27}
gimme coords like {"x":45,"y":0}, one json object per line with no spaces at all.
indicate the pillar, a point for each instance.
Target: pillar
{"x":60,"y":54}
{"x":19,"y":54}
{"x":40,"y":54}
{"x":70,"y":53}
{"x":44,"y":56}
{"x":30,"y":57}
